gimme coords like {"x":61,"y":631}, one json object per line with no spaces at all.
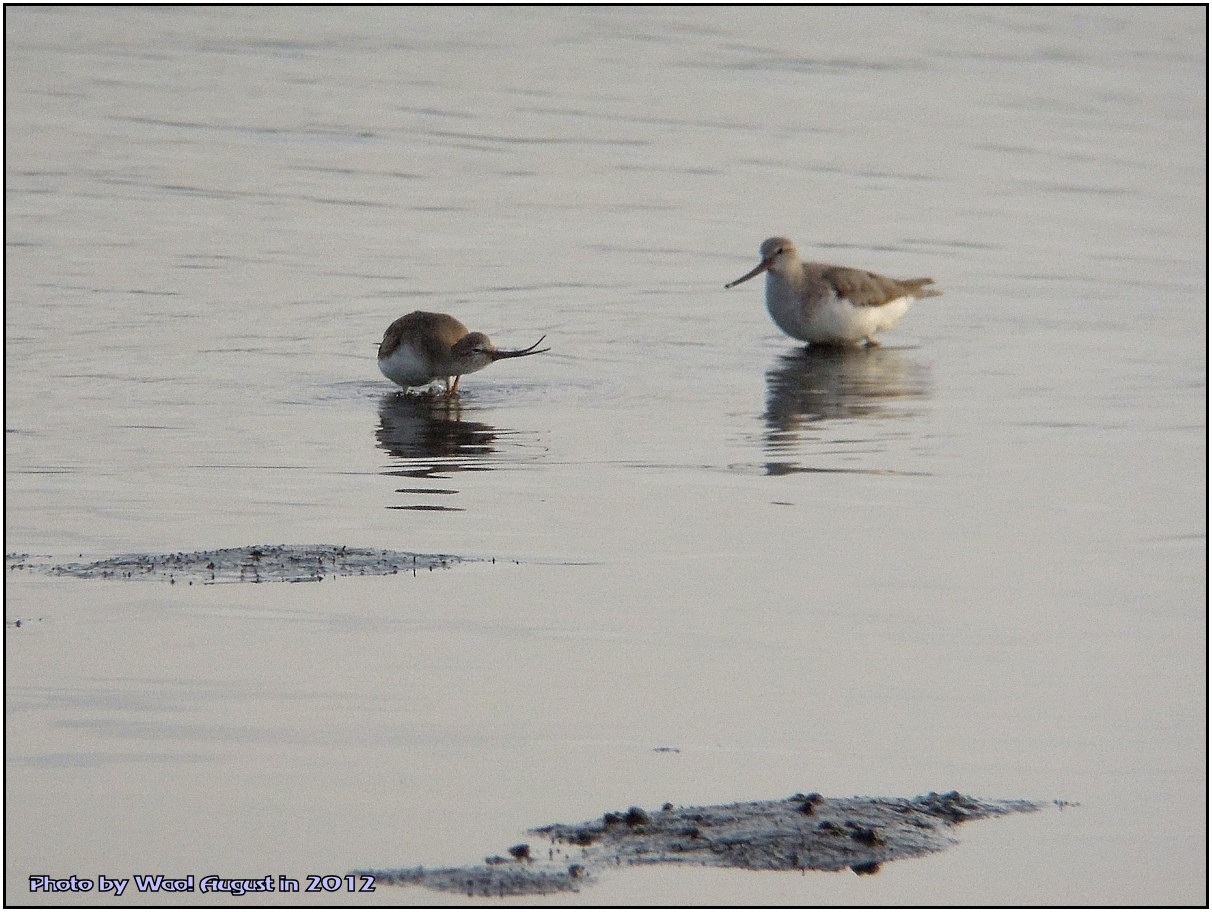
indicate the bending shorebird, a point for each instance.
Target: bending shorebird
{"x":421,"y":347}
{"x":831,"y":305}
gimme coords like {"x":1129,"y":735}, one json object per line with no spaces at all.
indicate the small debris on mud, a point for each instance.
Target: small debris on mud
{"x":803,"y":832}
{"x":810,"y":802}
{"x":251,"y":564}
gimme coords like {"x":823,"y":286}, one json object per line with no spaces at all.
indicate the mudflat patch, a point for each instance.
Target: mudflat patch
{"x":803,"y":832}
{"x":250,"y":564}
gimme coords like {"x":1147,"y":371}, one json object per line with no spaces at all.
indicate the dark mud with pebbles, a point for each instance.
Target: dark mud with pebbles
{"x":252,"y":564}
{"x":803,"y":832}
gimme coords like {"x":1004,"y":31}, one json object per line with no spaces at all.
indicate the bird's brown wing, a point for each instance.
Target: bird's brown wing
{"x":439,"y":332}
{"x":869,"y":289}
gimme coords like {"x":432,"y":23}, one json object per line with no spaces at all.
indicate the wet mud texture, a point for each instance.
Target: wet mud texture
{"x":252,"y":564}
{"x":803,"y":832}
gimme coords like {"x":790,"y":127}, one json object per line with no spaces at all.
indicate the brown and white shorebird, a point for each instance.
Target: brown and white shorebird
{"x":831,"y":305}
{"x":421,"y":347}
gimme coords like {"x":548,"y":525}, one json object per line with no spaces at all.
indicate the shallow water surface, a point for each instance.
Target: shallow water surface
{"x":973,"y":558}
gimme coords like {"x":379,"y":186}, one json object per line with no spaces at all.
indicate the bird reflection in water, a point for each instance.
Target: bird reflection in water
{"x":429,"y":434}
{"x":811,"y":387}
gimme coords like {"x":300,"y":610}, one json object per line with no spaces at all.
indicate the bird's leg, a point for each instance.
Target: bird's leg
{"x":451,"y":390}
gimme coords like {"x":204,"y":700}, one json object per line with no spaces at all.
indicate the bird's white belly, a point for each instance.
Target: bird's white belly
{"x":405,"y":367}
{"x":832,"y":320}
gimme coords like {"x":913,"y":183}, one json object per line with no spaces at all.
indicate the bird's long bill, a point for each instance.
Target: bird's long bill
{"x":520,"y":352}
{"x":759,"y":268}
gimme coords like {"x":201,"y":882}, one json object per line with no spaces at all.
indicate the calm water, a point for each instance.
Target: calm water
{"x":974,"y":558}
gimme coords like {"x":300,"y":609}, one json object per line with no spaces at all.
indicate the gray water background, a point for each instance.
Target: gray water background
{"x":974,"y":558}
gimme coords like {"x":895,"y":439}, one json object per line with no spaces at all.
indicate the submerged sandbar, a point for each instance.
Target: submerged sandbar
{"x":248,"y":564}
{"x":803,"y":832}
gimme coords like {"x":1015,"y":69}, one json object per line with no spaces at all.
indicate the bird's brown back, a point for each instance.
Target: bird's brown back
{"x":870,"y":289}
{"x":432,"y":333}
